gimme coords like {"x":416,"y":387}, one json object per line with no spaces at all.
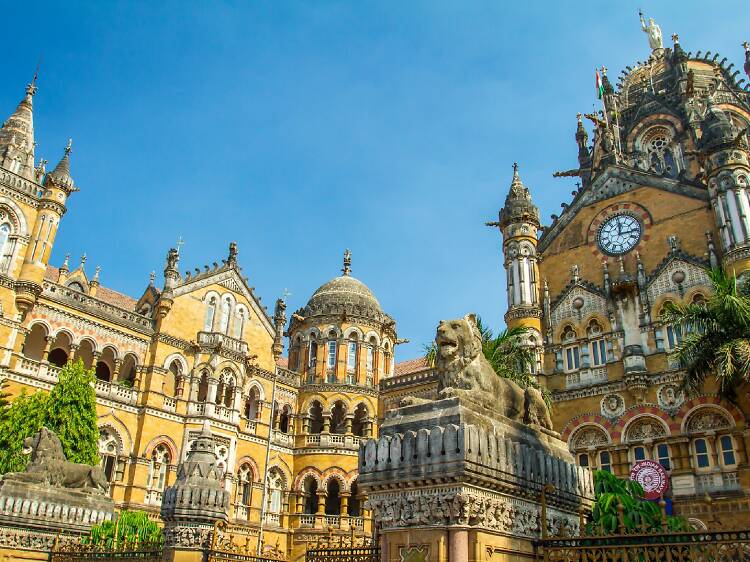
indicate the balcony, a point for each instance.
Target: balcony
{"x":170,"y":404}
{"x":586,"y":377}
{"x":282,"y":438}
{"x":273,"y":519}
{"x":116,"y":392}
{"x":307,"y":520}
{"x":333,"y":441}
{"x":216,"y":339}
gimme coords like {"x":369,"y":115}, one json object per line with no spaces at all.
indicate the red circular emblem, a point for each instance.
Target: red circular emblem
{"x":652,"y":477}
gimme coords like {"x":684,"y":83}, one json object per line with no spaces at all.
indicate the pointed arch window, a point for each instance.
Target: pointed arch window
{"x":226,"y":312}
{"x":5,"y":247}
{"x":208,"y":323}
{"x":239,"y":323}
{"x":157,"y":472}
{"x":109,"y":452}
{"x":244,"y":484}
{"x":661,"y":152}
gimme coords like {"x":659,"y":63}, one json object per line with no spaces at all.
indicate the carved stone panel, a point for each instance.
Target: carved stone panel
{"x":612,"y":406}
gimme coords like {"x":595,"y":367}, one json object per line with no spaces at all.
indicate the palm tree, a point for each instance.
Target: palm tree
{"x":717,"y":341}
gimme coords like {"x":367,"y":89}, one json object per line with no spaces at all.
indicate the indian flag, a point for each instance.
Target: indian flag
{"x":599,"y":85}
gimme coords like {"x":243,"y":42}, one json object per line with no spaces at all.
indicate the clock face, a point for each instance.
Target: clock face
{"x":619,"y":234}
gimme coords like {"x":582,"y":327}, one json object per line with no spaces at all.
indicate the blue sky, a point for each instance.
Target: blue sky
{"x":299,"y":129}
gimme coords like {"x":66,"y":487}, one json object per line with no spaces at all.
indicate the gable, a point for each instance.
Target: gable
{"x":662,"y":280}
{"x":563,"y":308}
{"x":612,"y":182}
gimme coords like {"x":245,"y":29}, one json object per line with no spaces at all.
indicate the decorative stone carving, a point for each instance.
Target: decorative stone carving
{"x":465,"y":507}
{"x":188,"y":537}
{"x":198,"y":495}
{"x":464,"y":372}
{"x":49,"y":466}
{"x":670,"y":397}
{"x":612,"y":406}
{"x":588,"y":436}
{"x":645,"y":428}
{"x":708,"y":419}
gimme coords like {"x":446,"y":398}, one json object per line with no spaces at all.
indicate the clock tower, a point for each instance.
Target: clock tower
{"x":663,"y":198}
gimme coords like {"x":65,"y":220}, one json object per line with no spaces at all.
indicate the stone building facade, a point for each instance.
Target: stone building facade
{"x":661,"y":197}
{"x":195,"y":346}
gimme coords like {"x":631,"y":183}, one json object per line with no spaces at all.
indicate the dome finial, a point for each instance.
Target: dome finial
{"x":347,"y":270}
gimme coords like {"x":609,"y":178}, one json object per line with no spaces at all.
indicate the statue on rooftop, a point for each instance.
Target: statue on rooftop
{"x":653,"y":31}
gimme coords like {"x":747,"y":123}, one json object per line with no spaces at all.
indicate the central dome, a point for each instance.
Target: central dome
{"x":341,"y":291}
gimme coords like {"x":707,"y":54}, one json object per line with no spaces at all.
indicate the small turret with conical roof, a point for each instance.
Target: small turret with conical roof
{"x":518,"y":223}
{"x":60,"y":177}
{"x":17,"y":137}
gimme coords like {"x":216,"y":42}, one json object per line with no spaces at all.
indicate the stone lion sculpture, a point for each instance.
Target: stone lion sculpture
{"x":48,"y":465}
{"x":465,"y":373}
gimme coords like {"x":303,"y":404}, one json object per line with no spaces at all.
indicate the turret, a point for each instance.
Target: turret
{"x":17,"y":138}
{"x":584,"y":156}
{"x":171,"y":278}
{"x":727,"y":167}
{"x":58,"y":185}
{"x":279,"y":321}
{"x":518,"y":223}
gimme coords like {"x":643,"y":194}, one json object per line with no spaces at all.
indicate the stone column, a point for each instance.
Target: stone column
{"x":713,"y":450}
{"x":348,"y":421}
{"x":236,"y":405}
{"x":211,"y":396}
{"x":301,"y":497}
{"x":326,"y":422}
{"x":320,"y":513}
{"x":368,"y":429}
{"x":95,"y":359}
{"x":180,"y":388}
{"x":116,"y":372}
{"x":306,"y":424}
{"x":48,"y":347}
{"x":194,"y":384}
{"x":345,"y":503}
{"x":458,"y":544}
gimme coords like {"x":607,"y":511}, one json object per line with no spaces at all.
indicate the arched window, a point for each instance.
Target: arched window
{"x":583,"y":459}
{"x":333,"y":498}
{"x":275,"y":491}
{"x":109,"y":453}
{"x":338,"y":418}
{"x":662,"y":455}
{"x":605,"y":461}
{"x":208,"y":324}
{"x":597,"y":345}
{"x":360,"y":418}
{"x":316,"y":417}
{"x":639,"y":453}
{"x":239,"y":323}
{"x":226,"y":312}
{"x":571,"y":350}
{"x":351,"y":356}
{"x":660,"y":151}
{"x":285,"y":419}
{"x":331,"y":360}
{"x":726,"y":445}
{"x":203,"y":387}
{"x":175,"y":374}
{"x":354,"y":501}
{"x":157,"y":471}
{"x":244,"y":485}
{"x":702,"y":457}
{"x":310,"y":491}
{"x":5,"y":247}
{"x":252,"y":404}
{"x":370,"y":363}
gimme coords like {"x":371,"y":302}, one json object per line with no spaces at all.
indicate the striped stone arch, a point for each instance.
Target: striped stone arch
{"x":585,"y":419}
{"x":252,"y":464}
{"x":653,"y":121}
{"x":334,"y":472}
{"x":166,"y":440}
{"x":304,"y":473}
{"x":711,"y":400}
{"x":640,"y":410}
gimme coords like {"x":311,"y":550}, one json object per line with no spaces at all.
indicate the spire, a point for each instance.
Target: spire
{"x":17,"y":137}
{"x":746,"y":45}
{"x":678,"y":54}
{"x":232,"y":259}
{"x":347,"y":269}
{"x":518,"y":203}
{"x":60,"y":177}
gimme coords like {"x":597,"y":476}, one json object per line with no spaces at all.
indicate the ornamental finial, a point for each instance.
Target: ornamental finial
{"x":347,"y":270}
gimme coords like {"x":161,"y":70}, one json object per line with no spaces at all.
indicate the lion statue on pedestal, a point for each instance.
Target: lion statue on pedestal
{"x":465,"y":373}
{"x":48,"y":465}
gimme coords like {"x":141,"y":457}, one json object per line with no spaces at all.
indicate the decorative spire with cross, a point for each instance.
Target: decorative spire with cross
{"x":347,"y":270}
{"x":83,"y":260}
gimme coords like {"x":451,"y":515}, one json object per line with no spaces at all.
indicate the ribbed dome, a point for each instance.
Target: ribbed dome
{"x":343,"y":290}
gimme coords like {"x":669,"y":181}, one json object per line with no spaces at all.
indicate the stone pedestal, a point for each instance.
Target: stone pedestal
{"x":448,"y":482}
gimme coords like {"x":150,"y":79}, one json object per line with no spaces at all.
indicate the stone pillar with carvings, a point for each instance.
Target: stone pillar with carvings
{"x":433,"y":487}
{"x":195,"y":502}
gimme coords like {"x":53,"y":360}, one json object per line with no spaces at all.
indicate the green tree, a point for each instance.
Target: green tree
{"x":610,"y":493}
{"x":23,"y":418}
{"x":716,"y":338}
{"x":4,"y":403}
{"x":72,"y":413}
{"x":506,"y":354}
{"x":131,"y":527}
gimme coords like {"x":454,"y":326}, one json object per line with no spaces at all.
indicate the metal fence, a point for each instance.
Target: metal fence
{"x":75,"y":551}
{"x":362,"y":554}
{"x":699,"y":546}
